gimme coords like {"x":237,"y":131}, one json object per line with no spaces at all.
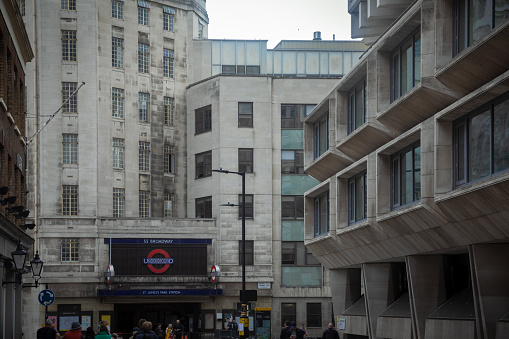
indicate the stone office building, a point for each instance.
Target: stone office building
{"x":411,"y":151}
{"x":123,"y":173}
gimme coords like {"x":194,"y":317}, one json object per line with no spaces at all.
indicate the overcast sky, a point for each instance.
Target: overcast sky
{"x":276,"y":20}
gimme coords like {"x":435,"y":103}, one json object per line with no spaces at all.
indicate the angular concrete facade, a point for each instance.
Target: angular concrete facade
{"x":416,"y":215}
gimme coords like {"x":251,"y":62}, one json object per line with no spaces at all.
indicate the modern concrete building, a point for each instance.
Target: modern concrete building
{"x":411,"y":151}
{"x":122,"y":179}
{"x":15,"y":52}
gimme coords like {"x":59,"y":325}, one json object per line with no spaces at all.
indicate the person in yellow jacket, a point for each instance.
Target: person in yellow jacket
{"x":169,"y":332}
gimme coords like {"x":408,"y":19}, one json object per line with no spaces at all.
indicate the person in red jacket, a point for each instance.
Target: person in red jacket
{"x":75,"y":332}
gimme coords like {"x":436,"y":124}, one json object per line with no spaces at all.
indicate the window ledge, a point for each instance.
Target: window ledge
{"x":412,"y":218}
{"x":4,"y":105}
{"x":9,"y":116}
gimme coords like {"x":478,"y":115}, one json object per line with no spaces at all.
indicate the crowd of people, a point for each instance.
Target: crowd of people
{"x":291,"y":331}
{"x":144,"y":330}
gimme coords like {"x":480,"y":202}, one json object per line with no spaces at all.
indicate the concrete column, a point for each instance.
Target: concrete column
{"x":346,"y":289}
{"x":378,"y":292}
{"x":426,"y":288}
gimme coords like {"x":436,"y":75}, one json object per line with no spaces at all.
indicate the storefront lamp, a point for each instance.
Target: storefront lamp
{"x":36,"y":265}
{"x":19,"y":257}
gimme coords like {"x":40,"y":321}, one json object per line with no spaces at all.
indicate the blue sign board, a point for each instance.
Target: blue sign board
{"x":157,"y":241}
{"x":46,"y":297}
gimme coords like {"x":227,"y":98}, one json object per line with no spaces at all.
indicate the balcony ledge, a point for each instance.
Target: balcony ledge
{"x":327,"y":165}
{"x":364,"y":140}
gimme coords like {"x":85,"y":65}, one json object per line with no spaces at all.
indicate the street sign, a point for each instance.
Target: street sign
{"x":214,"y":273}
{"x":46,"y":297}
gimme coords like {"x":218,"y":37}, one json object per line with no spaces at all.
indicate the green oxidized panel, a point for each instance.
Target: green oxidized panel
{"x":292,"y":230}
{"x":296,"y":184}
{"x":302,"y":276}
{"x":292,"y":139}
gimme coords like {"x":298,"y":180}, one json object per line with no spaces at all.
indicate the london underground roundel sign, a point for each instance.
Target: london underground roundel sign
{"x":150,"y":261}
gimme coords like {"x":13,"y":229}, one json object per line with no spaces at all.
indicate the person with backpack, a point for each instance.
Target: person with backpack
{"x":146,"y":331}
{"x":330,"y":332}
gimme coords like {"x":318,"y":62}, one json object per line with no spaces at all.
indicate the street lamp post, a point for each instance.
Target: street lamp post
{"x":244,"y":320}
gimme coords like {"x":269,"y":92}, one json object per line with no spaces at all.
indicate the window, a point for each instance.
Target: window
{"x":406,"y":66}
{"x":203,"y":162}
{"x":118,"y":202}
{"x":70,"y":149}
{"x":292,"y":162}
{"x":321,"y":135}
{"x":406,"y":176}
{"x":204,"y":207}
{"x":143,"y":106}
{"x":69,"y":45}
{"x":249,"y":206}
{"x":169,"y":202}
{"x":168,"y":18}
{"x":71,"y":106}
{"x":117,"y":53}
{"x":201,"y":27}
{"x":245,"y":114}
{"x":474,"y":19}
{"x":118,"y":153}
{"x":169,"y":159}
{"x":143,"y":8}
{"x":168,"y":63}
{"x":117,"y":9}
{"x":294,"y":253}
{"x":69,"y":250}
{"x":117,"y":103}
{"x":357,"y":200}
{"x":249,"y":252}
{"x":143,"y":58}
{"x":246,"y":160}
{"x":203,"y":120}
{"x":292,"y":206}
{"x":168,"y":111}
{"x":68,"y":5}
{"x":292,"y":116}
{"x":481,"y":142}
{"x":357,"y":107}
{"x":70,"y":200}
{"x":288,"y":312}
{"x":144,"y":156}
{"x":321,"y":211}
{"x":314,"y":314}
{"x":144,"y":204}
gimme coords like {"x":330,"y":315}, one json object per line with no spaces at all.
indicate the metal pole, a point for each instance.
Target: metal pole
{"x":243,"y":315}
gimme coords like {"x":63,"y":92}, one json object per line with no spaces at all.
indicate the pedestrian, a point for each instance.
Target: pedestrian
{"x":284,"y":330}
{"x":330,"y":332}
{"x":146,"y":331}
{"x":135,"y":330}
{"x":47,"y":331}
{"x":158,"y":331}
{"x":177,"y":329}
{"x":294,"y":332}
{"x":90,"y":334}
{"x":103,"y":332}
{"x":75,"y":332}
{"x":169,"y":332}
{"x":302,"y":327}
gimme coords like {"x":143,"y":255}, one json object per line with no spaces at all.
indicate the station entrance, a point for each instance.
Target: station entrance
{"x":128,"y":315}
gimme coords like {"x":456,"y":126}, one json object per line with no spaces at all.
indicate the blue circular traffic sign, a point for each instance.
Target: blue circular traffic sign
{"x":46,"y":297}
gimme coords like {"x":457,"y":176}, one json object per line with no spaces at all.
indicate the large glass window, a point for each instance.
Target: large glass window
{"x":321,"y":211}
{"x":168,"y":18}
{"x":69,"y":44}
{"x":292,"y":116}
{"x":143,"y":11}
{"x":246,"y":160}
{"x":69,"y":249}
{"x":118,"y":153}
{"x":168,"y":111}
{"x":117,"y":103}
{"x":288,"y":312}
{"x":143,"y":58}
{"x":69,"y":200}
{"x":292,"y":162}
{"x":117,"y":52}
{"x":143,"y":107}
{"x":406,"y":66}
{"x":203,"y":120}
{"x":321,"y":136}
{"x":249,"y":252}
{"x":70,"y":149}
{"x":117,"y":9}
{"x":245,"y":114}
{"x":406,"y":176}
{"x":203,"y":163}
{"x":144,"y":204}
{"x":481,"y":142}
{"x":357,"y":106}
{"x":474,"y":19}
{"x":292,"y":206}
{"x":314,"y":314}
{"x":294,"y":253}
{"x":144,"y":156}
{"x":118,"y":202}
{"x":204,"y":207}
{"x":71,"y":106}
{"x":168,"y":63}
{"x":249,"y":206}
{"x":357,"y":198}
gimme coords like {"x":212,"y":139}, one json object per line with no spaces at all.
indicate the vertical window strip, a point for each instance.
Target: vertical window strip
{"x":69,"y":250}
{"x":118,"y":153}
{"x":70,"y":149}
{"x":144,"y":106}
{"x":117,"y":56}
{"x":71,"y":106}
{"x":168,"y":159}
{"x":69,"y":200}
{"x":118,"y":202}
{"x":117,"y":9}
{"x":144,"y":204}
{"x":68,"y":5}
{"x":69,"y":44}
{"x":169,"y":202}
{"x":168,"y":111}
{"x":117,"y":103}
{"x":143,"y":58}
{"x":168,"y":62}
{"x":144,"y":156}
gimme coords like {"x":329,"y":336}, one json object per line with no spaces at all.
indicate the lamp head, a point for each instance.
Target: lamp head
{"x":19,"y":257}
